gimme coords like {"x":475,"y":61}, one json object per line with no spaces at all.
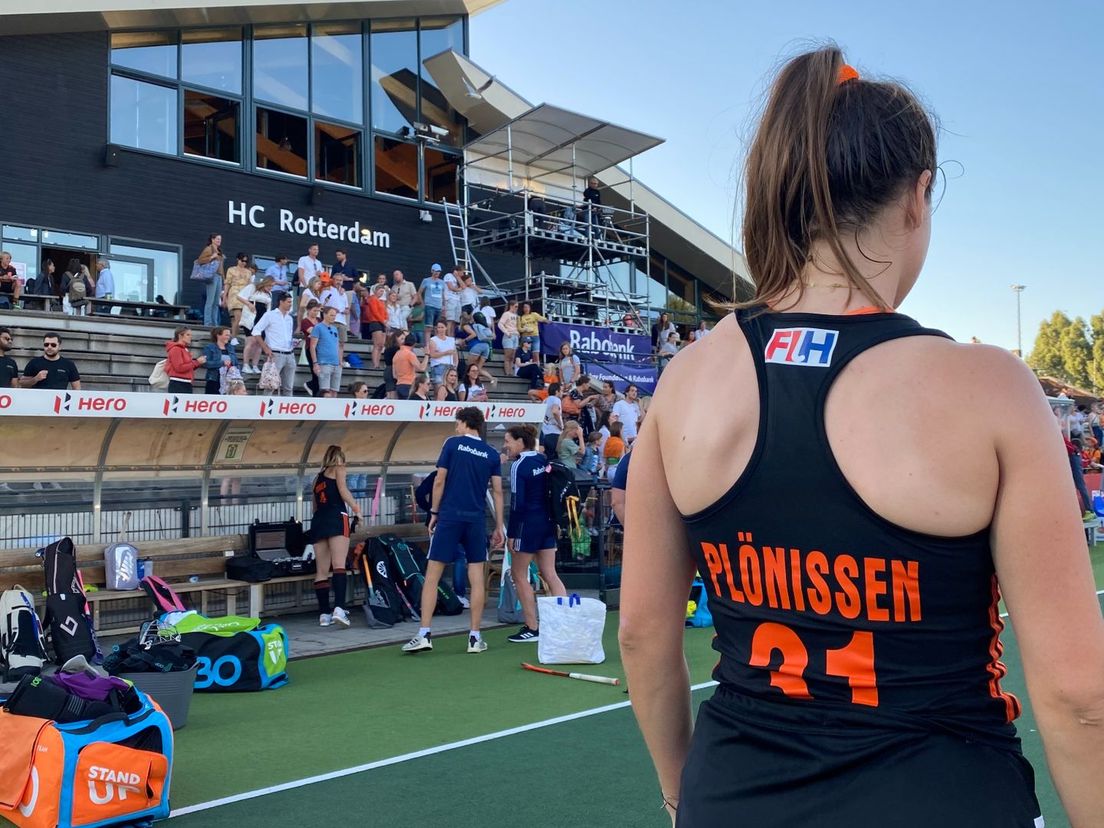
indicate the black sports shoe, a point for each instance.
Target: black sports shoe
{"x":524,"y":635}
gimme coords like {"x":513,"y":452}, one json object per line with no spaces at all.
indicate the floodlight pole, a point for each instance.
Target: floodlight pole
{"x":1018,"y":290}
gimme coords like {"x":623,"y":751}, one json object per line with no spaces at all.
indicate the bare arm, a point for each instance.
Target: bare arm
{"x":656,"y":576}
{"x":1047,"y":582}
{"x":438,"y":493}
{"x":343,"y":490}
{"x":76,"y":385}
{"x":499,"y":535}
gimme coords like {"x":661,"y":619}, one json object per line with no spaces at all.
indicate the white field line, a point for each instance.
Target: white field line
{"x":406,"y":757}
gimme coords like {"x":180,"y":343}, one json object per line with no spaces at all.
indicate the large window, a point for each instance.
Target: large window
{"x":211,"y":126}
{"x":438,"y":35}
{"x":166,"y":265}
{"x":281,"y":142}
{"x":337,"y":71}
{"x":337,"y":153}
{"x":303,"y":109}
{"x":394,"y":75}
{"x":212,"y":58}
{"x":280,"y":65}
{"x":143,"y":115}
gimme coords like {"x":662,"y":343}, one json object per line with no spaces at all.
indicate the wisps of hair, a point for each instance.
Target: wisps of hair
{"x":826,"y":157}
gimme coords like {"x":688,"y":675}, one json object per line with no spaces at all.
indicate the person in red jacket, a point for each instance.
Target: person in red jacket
{"x":180,"y":365}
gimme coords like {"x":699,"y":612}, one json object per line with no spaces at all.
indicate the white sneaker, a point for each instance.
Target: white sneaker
{"x":235,"y":342}
{"x":417,"y":644}
{"x":464,"y":602}
{"x":346,"y":365}
{"x":325,"y":620}
{"x":476,"y":645}
{"x":341,"y":617}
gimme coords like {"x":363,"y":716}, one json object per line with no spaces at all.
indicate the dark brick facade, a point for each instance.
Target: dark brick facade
{"x":53,"y":135}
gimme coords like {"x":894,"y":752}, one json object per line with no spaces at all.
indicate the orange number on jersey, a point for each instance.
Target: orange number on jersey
{"x":795,"y":658}
{"x":854,"y":662}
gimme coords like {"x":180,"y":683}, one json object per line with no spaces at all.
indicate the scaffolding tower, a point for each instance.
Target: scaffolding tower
{"x":525,"y":192}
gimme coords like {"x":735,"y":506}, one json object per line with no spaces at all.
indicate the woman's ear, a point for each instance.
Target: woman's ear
{"x":919,"y":201}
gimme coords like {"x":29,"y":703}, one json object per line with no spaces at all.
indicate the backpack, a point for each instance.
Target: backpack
{"x":697,"y":608}
{"x":67,"y":616}
{"x":78,"y":290}
{"x":162,"y":595}
{"x":509,"y":605}
{"x":383,"y":606}
{"x":159,"y":376}
{"x":22,"y":646}
{"x":409,"y":564}
{"x":563,"y":498}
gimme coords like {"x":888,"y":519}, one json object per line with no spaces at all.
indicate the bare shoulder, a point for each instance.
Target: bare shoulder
{"x":698,"y":372}
{"x":986,"y":375}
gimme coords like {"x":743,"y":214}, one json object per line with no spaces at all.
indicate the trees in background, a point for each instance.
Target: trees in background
{"x":1070,"y":350}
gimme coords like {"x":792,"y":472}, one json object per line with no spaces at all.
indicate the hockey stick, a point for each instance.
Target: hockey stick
{"x":581,"y":676}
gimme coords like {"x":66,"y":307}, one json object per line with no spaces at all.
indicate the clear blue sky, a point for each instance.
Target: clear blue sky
{"x":1018,"y":89}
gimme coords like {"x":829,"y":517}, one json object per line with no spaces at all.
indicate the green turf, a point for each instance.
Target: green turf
{"x":349,"y":709}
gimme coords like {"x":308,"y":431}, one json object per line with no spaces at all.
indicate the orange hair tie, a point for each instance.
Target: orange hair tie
{"x":846,"y":73}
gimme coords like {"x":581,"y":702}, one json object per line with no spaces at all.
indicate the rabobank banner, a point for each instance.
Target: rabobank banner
{"x":621,"y":374}
{"x":596,"y":343}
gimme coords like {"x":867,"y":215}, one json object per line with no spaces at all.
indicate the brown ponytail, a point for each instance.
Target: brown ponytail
{"x":827,"y":156}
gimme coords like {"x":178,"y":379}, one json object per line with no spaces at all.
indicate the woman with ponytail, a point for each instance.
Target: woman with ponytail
{"x":859,"y":680}
{"x":330,"y":534}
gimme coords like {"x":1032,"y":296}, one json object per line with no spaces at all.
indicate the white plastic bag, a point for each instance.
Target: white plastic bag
{"x":571,"y":630}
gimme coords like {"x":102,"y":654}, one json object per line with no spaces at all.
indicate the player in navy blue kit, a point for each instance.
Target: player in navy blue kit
{"x":459,"y":519}
{"x":834,"y":472}
{"x":531,"y":530}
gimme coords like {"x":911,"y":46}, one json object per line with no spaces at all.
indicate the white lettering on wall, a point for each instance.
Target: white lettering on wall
{"x":238,"y":212}
{"x":241,"y":213}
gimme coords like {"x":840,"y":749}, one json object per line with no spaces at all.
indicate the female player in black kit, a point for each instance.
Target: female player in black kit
{"x":852,"y":507}
{"x":330,"y":534}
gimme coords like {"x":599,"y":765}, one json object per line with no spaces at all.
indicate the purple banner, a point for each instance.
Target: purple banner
{"x":621,"y":374}
{"x":595,"y":343}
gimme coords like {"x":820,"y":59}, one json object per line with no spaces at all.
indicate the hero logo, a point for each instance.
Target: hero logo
{"x":100,"y":404}
{"x":270,"y":407}
{"x":115,"y":784}
{"x":369,"y":409}
{"x":807,"y":347}
{"x":194,"y":406}
{"x":5,"y":401}
{"x":507,"y":412}
{"x":423,"y":412}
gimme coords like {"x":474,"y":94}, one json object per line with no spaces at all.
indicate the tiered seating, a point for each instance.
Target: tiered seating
{"x":117,"y":354}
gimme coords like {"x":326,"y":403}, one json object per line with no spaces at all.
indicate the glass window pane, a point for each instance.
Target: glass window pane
{"x":337,"y":71}
{"x":20,"y":233}
{"x":60,"y":239}
{"x":337,"y":154}
{"x":143,"y":115}
{"x":281,"y":142}
{"x":211,"y":126}
{"x":24,"y":258}
{"x":280,"y":65}
{"x":439,"y":35}
{"x":166,"y":266}
{"x":394,"y":81}
{"x":213,"y":57}
{"x":396,"y":167}
{"x":440,"y":173}
{"x":153,"y":52}
{"x":132,"y":280}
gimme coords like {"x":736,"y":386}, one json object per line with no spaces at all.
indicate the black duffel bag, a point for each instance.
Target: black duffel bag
{"x":250,"y":568}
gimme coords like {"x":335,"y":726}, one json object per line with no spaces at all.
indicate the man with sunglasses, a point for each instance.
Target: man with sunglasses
{"x":60,"y":372}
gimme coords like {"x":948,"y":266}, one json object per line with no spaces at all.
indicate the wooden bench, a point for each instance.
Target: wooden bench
{"x":173,"y":560}
{"x":40,"y":301}
{"x":176,"y":561}
{"x":149,"y":310}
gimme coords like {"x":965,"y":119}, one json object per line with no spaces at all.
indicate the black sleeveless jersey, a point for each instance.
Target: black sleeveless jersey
{"x":818,"y":601}
{"x":327,"y":497}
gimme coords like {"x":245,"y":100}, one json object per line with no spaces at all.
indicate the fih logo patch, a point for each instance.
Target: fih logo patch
{"x":806,"y":347}
{"x":61,"y":403}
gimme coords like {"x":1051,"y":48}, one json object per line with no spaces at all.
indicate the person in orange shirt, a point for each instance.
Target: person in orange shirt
{"x":406,"y":367}
{"x":374,"y":315}
{"x":614,"y":449}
